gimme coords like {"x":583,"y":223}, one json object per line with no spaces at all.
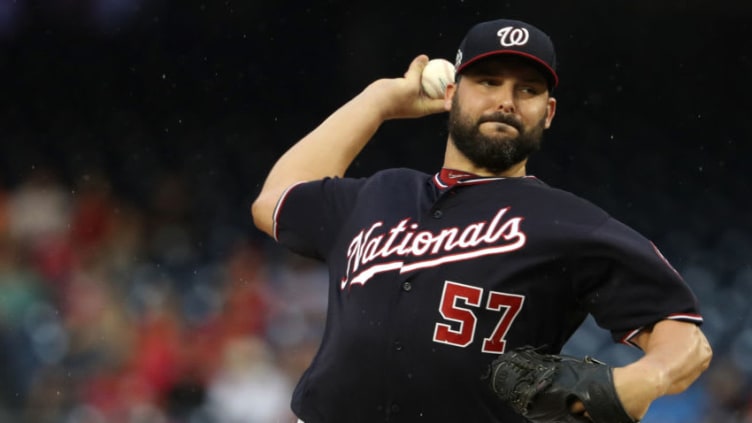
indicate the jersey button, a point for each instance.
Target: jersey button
{"x":398,"y":346}
{"x":437,"y":214}
{"x":407,"y":286}
{"x":395,"y":408}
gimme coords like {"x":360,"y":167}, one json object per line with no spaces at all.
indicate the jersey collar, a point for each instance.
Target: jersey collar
{"x":447,"y":178}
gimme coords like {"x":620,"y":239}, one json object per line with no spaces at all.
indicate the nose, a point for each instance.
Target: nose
{"x":505,"y":99}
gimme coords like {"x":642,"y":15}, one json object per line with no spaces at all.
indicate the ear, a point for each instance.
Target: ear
{"x":550,"y":111}
{"x":451,"y":89}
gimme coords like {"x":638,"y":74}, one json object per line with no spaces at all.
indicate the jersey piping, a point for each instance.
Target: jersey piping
{"x":447,"y":178}
{"x":681,"y":317}
{"x":278,"y":207}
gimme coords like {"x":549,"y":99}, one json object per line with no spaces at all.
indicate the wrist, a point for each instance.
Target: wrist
{"x":638,"y":385}
{"x":377,"y":98}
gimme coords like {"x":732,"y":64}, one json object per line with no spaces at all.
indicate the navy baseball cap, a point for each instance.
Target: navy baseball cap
{"x":506,"y":36}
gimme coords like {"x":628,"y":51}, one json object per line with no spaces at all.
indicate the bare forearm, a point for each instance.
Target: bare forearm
{"x":680,"y":351}
{"x":330,"y":148}
{"x":676,"y":353}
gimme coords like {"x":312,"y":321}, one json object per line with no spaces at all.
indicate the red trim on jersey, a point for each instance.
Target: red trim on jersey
{"x":686,"y":317}
{"x":278,"y":207}
{"x":682,"y":317}
{"x":438,"y":183}
{"x":665,"y":261}
{"x":447,"y":178}
{"x":627,"y":339}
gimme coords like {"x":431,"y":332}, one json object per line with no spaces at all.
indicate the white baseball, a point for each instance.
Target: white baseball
{"x":436,"y":75}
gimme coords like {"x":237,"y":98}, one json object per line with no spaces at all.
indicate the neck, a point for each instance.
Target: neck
{"x":454,"y":159}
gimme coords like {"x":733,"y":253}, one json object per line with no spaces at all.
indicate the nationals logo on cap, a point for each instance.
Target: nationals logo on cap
{"x":504,"y":36}
{"x":510,"y":36}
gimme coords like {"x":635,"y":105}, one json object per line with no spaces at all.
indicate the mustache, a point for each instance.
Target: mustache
{"x":502,"y":117}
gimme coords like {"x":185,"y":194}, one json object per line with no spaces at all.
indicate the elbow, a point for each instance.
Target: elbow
{"x":262,"y":214}
{"x":705,"y":353}
{"x":256,"y":207}
{"x":702,"y":355}
{"x":256,"y":213}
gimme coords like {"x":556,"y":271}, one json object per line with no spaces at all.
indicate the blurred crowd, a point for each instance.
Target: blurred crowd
{"x":111,"y":312}
{"x":108,"y":313}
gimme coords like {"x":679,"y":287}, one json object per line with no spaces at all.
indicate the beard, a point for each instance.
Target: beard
{"x":496,"y":152}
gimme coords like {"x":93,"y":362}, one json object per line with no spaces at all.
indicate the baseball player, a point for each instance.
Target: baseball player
{"x":434,"y":276}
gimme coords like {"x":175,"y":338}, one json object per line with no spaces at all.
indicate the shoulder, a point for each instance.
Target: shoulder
{"x":398,"y":177}
{"x":560,"y":200}
{"x":399,"y":173}
{"x":403,"y":177}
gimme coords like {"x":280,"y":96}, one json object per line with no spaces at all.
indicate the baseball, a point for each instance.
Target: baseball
{"x":436,"y":75}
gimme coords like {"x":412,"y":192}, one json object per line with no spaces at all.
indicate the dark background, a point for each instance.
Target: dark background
{"x":652,"y":119}
{"x":652,"y":124}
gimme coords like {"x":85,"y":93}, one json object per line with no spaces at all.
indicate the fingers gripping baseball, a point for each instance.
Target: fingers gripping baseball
{"x":414,"y":74}
{"x":546,"y":388}
{"x":405,"y":96}
{"x":416,"y":68}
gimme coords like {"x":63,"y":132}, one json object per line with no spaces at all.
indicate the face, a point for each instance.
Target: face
{"x":499,"y":110}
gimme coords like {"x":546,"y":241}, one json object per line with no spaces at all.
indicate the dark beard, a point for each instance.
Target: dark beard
{"x":493,"y":153}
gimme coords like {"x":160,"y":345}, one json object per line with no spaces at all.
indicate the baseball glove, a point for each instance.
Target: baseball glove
{"x":542,"y":387}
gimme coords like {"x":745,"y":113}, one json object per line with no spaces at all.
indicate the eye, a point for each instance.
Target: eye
{"x":530,"y":89}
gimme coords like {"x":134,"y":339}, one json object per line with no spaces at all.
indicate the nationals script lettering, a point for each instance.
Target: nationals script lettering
{"x":497,"y":235}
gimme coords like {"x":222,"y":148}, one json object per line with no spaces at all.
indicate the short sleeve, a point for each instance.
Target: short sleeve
{"x":308,"y":215}
{"x":626,"y":284}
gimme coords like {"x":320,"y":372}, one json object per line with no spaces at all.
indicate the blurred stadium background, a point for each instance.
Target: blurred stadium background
{"x":135,"y":134}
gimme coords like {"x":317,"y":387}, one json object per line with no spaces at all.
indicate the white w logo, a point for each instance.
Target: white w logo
{"x":510,"y":36}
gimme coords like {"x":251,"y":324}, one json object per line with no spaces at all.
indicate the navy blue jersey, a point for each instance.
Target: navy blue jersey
{"x":432,"y":276}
